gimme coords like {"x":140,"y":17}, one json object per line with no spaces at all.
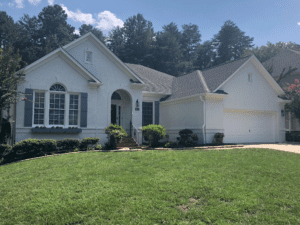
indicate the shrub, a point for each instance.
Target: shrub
{"x":4,"y":149}
{"x":186,"y":138}
{"x":30,"y":148}
{"x":154,"y":133}
{"x":88,"y":142}
{"x":171,"y":144}
{"x":98,"y":147}
{"x":68,"y":144}
{"x":115,"y":134}
{"x":219,"y":138}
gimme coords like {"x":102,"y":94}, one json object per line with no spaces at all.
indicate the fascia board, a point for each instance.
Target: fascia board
{"x":214,"y":96}
{"x":180,"y":100}
{"x":107,"y":53}
{"x":155,"y":94}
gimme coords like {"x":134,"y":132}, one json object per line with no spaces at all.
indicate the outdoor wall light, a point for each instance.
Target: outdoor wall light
{"x":137,"y":104}
{"x":282,"y":113}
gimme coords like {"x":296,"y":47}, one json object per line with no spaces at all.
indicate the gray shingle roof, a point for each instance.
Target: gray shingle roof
{"x":155,"y":81}
{"x":284,"y":59}
{"x":186,"y":85}
{"x":214,"y":77}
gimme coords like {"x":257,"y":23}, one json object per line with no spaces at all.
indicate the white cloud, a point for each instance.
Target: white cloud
{"x":50,"y":2}
{"x":107,"y":21}
{"x":19,"y":4}
{"x":10,"y":4}
{"x":78,"y":16}
{"x":298,"y":23}
{"x":76,"y":32}
{"x":34,"y":2}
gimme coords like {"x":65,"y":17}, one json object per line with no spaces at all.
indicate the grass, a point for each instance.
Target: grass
{"x":238,"y":186}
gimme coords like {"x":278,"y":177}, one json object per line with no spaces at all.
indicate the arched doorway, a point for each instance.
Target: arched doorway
{"x":121,"y":109}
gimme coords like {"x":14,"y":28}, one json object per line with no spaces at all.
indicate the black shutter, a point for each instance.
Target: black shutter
{"x":83,"y":111}
{"x":157,"y":112}
{"x":28,"y":107}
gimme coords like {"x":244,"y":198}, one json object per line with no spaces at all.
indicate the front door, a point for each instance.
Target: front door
{"x":115,"y":114}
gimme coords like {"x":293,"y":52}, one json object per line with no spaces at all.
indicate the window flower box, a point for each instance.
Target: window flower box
{"x":57,"y":130}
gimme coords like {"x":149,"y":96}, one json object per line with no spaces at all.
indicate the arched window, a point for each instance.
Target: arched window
{"x":116,"y":96}
{"x":57,"y":87}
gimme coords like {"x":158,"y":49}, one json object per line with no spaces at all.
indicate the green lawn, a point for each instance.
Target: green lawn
{"x":238,"y":186}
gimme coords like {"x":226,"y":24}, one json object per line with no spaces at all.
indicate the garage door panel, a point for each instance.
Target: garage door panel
{"x":247,"y":127}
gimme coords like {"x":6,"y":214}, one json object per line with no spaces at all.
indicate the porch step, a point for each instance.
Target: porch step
{"x":127,"y":142}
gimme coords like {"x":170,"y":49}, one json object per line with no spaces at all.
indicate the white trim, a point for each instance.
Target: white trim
{"x":117,"y":60}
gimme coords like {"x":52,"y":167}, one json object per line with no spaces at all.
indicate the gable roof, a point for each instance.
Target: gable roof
{"x":216,"y":76}
{"x":155,"y":81}
{"x":205,"y":81}
{"x":284,"y":59}
{"x":109,"y":53}
{"x":62,"y":52}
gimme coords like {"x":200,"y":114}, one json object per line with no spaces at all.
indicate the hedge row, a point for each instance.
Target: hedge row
{"x":30,"y":148}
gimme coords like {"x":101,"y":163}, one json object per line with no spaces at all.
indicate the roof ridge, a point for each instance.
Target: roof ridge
{"x":227,"y":63}
{"x":149,"y":68}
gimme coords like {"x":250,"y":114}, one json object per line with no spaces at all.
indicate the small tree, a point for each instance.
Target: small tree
{"x":154,"y":133}
{"x":9,"y":65}
{"x":293,"y":93}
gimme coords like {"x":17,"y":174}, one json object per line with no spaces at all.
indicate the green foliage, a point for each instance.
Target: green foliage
{"x":98,"y":147}
{"x":5,"y":130}
{"x":154,"y":133}
{"x":171,"y":144}
{"x":4,"y":149}
{"x":9,"y":65}
{"x":88,"y":142}
{"x":115,"y":134}
{"x":230,"y":43}
{"x":68,"y":144}
{"x":84,"y":29}
{"x":218,"y":138}
{"x":186,"y":138}
{"x":30,"y":148}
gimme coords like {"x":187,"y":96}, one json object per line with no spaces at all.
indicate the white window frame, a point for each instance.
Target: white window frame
{"x":33,"y":98}
{"x":85,"y":56}
{"x":47,"y":108}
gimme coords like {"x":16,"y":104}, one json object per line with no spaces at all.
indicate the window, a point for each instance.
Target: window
{"x":57,"y":109}
{"x":147,"y":113}
{"x":39,"y":108}
{"x":73,"y":110}
{"x":250,"y":77}
{"x":88,"y":56}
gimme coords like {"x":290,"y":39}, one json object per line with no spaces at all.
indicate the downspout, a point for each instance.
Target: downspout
{"x":204,"y":119}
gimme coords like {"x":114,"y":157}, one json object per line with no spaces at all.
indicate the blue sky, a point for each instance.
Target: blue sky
{"x":265,"y":20}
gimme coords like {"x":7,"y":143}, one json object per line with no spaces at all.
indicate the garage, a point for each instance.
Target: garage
{"x":249,"y":127}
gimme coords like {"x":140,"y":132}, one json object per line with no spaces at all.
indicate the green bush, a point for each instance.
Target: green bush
{"x":30,"y":148}
{"x":88,"y":142}
{"x":4,"y":149}
{"x":171,"y":144}
{"x":68,"y":144}
{"x":154,"y":133}
{"x":98,"y":147}
{"x":186,"y":138}
{"x":115,"y":134}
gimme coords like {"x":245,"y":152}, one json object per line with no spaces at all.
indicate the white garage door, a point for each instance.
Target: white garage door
{"x":248,"y":127}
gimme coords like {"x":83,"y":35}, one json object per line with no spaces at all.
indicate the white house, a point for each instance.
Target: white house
{"x":83,"y":87}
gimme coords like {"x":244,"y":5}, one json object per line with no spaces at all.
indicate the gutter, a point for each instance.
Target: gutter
{"x":204,"y":117}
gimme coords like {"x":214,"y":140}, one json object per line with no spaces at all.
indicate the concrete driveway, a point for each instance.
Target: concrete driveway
{"x":287,"y":146}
